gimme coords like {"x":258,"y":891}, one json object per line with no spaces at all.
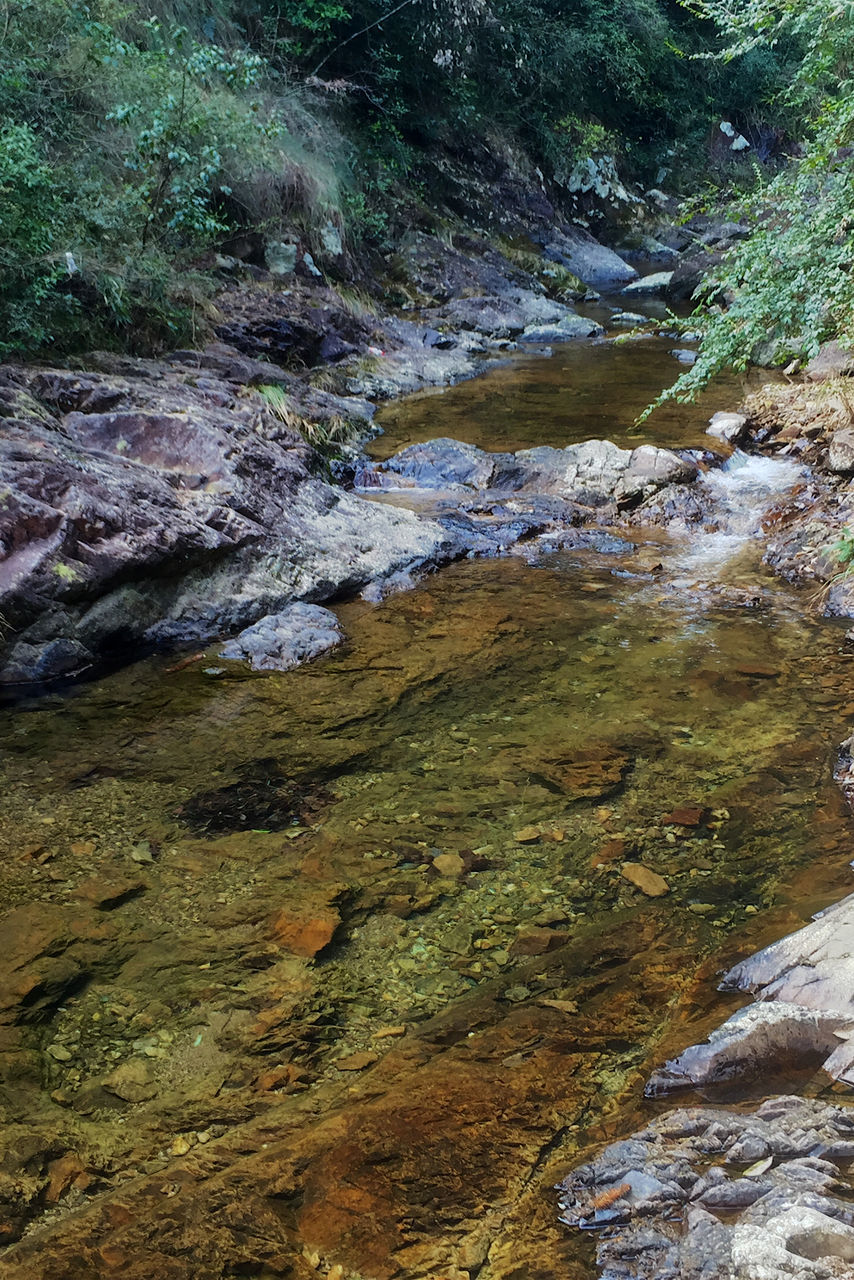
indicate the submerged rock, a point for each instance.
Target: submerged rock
{"x":284,"y":640}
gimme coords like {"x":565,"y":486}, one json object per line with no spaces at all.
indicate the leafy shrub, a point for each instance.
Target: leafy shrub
{"x":30,"y":217}
{"x":791,"y":285}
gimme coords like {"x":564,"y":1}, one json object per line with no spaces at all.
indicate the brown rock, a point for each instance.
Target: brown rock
{"x":686,"y":817}
{"x":106,"y":895}
{"x":46,"y":951}
{"x":610,"y":851}
{"x":594,"y":770}
{"x":527,"y":835}
{"x":132,"y":1081}
{"x":63,"y":1173}
{"x":649,"y":882}
{"x":450,"y":865}
{"x":562,"y":1006}
{"x":82,"y":848}
{"x":537,"y":941}
{"x":757,"y":671}
{"x":277,"y":1078}
{"x":305,"y":933}
{"x":356,"y":1061}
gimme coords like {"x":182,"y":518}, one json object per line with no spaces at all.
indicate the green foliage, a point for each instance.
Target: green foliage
{"x":791,"y":285}
{"x":134,"y":145}
{"x":844,"y":548}
{"x":134,"y":142}
{"x":29,"y":214}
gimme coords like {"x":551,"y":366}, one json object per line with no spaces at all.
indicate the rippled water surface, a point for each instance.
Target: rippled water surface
{"x":406,"y":870}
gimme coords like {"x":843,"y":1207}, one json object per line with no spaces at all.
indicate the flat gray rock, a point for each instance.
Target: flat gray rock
{"x":655,"y":283}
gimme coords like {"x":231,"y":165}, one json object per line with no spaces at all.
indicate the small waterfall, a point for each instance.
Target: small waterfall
{"x":737,"y":496}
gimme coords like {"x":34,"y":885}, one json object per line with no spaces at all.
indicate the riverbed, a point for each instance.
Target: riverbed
{"x":334,"y":972}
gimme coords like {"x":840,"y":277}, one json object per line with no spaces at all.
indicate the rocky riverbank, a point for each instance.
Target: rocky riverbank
{"x":166,"y":503}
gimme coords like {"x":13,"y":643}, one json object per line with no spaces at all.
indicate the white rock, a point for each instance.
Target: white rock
{"x":285,"y":640}
{"x":727,"y":426}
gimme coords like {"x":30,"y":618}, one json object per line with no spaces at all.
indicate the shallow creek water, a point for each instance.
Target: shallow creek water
{"x":586,"y":390}
{"x":347,"y":956}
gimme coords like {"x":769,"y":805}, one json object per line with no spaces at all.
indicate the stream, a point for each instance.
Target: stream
{"x":336,"y":972}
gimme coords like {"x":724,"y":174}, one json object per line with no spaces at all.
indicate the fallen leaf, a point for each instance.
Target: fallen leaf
{"x":761,"y":1166}
{"x":606,"y":1198}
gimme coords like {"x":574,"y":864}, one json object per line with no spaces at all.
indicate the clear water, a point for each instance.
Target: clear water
{"x":539,"y":719}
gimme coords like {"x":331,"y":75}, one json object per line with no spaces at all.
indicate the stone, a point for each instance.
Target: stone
{"x":649,"y":882}
{"x":304,"y":931}
{"x":356,"y":1061}
{"x":450,"y":865}
{"x":650,"y":1190}
{"x":569,"y":329}
{"x":840,"y":453}
{"x":202,"y":499}
{"x":586,"y":258}
{"x":330,"y":238}
{"x":655,"y":283}
{"x":533,"y":941}
{"x":64,"y":1173}
{"x":686,"y":816}
{"x":754,"y":1041}
{"x":832,"y":361}
{"x":282,"y":641}
{"x":106,"y":895}
{"x":527,"y":835}
{"x":132,"y":1081}
{"x":731,"y":427}
{"x":48,"y":952}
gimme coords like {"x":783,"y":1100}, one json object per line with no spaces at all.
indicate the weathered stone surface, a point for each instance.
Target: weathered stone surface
{"x":727,"y":426}
{"x":585,"y":257}
{"x":643,"y":878}
{"x":755,"y":1041}
{"x":201,"y":497}
{"x":787,"y":1218}
{"x":832,"y":361}
{"x":840,"y":453}
{"x":590,"y":474}
{"x":285,"y":640}
{"x":304,"y":928}
{"x":567,"y":329}
{"x":47,"y":951}
{"x":655,"y":283}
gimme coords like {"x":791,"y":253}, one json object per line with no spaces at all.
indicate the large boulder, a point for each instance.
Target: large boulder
{"x":731,"y":427}
{"x":586,"y":258}
{"x":184,"y":512}
{"x":832,"y":361}
{"x":569,"y":328}
{"x":656,"y":283}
